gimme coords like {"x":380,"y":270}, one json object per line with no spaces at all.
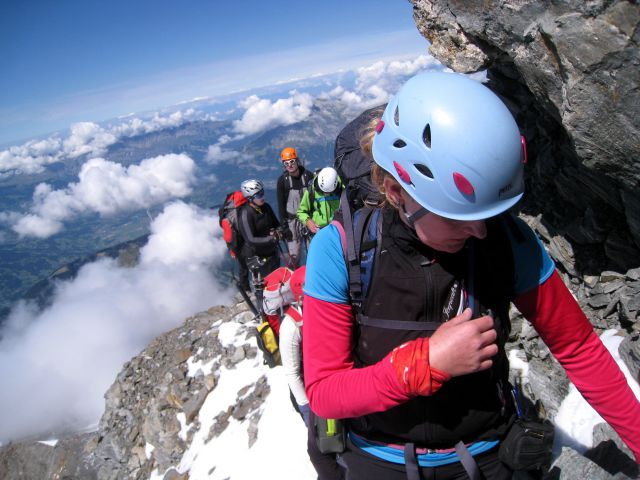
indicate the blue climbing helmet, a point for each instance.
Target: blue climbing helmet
{"x":453,"y":145}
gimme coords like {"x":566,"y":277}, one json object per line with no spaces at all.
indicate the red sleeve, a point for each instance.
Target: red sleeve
{"x":335,"y":388}
{"x":565,"y":329}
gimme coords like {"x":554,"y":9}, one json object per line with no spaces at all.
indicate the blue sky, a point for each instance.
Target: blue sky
{"x":68,"y":60}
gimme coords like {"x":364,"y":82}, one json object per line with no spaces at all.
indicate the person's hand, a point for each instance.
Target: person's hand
{"x":461,"y":345}
{"x":304,"y":411}
{"x":311,"y":225}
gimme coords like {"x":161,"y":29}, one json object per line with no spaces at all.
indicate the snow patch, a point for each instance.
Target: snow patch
{"x":575,"y":419}
{"x":184,"y":428}
{"x":51,"y":443}
{"x":195,"y":366}
{"x":517,"y":363}
{"x":148,"y":450}
{"x":228,"y":335}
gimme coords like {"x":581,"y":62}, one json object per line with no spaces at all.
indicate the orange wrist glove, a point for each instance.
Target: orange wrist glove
{"x":411,"y":364}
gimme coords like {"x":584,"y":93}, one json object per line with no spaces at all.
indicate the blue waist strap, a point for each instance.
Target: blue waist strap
{"x":430,"y":459}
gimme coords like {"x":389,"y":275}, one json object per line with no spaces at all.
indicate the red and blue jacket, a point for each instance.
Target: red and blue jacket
{"x":340,"y":385}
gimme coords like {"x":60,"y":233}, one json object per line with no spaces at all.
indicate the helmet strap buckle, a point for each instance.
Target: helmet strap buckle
{"x":412,"y":218}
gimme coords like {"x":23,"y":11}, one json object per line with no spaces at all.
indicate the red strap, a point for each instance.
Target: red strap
{"x":227,"y":232}
{"x":274,"y":321}
{"x":238,"y":198}
{"x":294,"y":313}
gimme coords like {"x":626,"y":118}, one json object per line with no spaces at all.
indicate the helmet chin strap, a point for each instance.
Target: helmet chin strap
{"x":412,"y":218}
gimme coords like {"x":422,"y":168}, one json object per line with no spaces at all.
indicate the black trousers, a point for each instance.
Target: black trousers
{"x":362,"y":466}
{"x":243,"y":273}
{"x":326,"y":464}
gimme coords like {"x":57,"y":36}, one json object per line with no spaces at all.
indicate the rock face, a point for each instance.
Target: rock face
{"x":68,"y":459}
{"x":159,"y":386}
{"x":570,"y":73}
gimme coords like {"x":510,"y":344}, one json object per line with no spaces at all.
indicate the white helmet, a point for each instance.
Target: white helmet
{"x":250,"y":188}
{"x":328,"y":179}
{"x":453,"y":145}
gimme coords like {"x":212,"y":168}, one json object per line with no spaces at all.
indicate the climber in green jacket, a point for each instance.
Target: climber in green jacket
{"x":319,"y":203}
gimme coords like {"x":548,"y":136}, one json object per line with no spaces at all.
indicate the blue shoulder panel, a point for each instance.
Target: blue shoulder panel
{"x":533,"y":265}
{"x":327,"y":277}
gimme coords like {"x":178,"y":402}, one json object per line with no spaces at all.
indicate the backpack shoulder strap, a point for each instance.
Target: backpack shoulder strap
{"x":306,"y":178}
{"x":312,"y":200}
{"x":294,"y":313}
{"x":343,"y":237}
{"x":361,"y":239}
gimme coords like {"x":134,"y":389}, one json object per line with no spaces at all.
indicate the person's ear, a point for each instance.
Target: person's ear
{"x":393,"y":190}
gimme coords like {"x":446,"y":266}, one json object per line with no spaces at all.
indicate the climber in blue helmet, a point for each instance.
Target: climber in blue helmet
{"x":409,"y":348}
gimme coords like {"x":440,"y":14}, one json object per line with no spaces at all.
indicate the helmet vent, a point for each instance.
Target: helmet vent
{"x":396,"y":117}
{"x":426,"y":136}
{"x":423,"y":169}
{"x":399,"y":143}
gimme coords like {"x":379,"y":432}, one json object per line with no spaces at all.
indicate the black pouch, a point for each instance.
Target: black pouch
{"x":330,"y":435}
{"x":528,"y":445}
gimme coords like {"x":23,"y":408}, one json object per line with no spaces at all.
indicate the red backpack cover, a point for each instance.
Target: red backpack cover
{"x":229,"y":215}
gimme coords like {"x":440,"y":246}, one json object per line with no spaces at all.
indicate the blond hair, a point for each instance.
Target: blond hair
{"x":378,"y":174}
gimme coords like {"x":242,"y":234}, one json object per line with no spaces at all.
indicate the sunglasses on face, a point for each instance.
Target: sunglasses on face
{"x":259,"y":195}
{"x":290,"y":163}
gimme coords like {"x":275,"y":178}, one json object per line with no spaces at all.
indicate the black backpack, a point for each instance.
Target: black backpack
{"x":352,"y":165}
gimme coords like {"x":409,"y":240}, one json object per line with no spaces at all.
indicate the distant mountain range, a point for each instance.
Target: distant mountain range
{"x":26,"y":262}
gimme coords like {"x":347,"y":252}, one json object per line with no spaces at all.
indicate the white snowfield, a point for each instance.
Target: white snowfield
{"x":280,"y":451}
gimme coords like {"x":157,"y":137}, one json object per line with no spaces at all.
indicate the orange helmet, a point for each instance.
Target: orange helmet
{"x":288,"y":153}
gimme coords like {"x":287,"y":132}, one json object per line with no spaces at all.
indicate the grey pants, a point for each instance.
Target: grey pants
{"x":294,"y":244}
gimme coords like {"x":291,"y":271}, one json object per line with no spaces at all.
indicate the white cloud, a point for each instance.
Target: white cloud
{"x":86,"y":138}
{"x":137,"y":126}
{"x":411,"y":67}
{"x":107,"y":187}
{"x":216,"y":153}
{"x":56,"y":364}
{"x":36,"y":226}
{"x":30,"y":157}
{"x":336,"y":92}
{"x":372,"y":72}
{"x":351,"y":99}
{"x":182,"y":235}
{"x":376,"y":83}
{"x":262,"y":114}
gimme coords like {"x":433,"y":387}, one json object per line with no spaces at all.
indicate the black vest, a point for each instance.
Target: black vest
{"x":411,"y":282}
